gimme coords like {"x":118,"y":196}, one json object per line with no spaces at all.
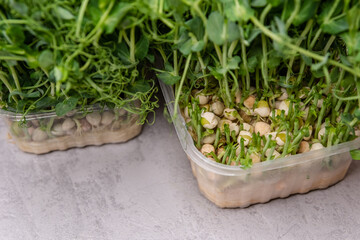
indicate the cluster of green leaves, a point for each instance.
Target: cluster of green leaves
{"x":262,"y":43}
{"x":64,"y":54}
{"x":227,"y":46}
{"x":59,"y":55}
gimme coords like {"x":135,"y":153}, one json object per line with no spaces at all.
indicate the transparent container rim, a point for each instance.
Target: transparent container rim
{"x":51,"y":113}
{"x":197,"y":157}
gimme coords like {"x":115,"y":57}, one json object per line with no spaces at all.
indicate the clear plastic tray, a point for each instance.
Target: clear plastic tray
{"x":45,"y":132}
{"x":231,"y":186}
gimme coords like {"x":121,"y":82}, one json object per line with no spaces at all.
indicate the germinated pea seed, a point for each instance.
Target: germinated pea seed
{"x":39,"y":135}
{"x":94,"y":118}
{"x":107,"y":118}
{"x":68,"y":124}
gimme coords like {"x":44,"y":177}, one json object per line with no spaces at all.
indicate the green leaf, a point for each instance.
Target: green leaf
{"x":52,"y":78}
{"x":140,"y":86}
{"x":274,"y":62}
{"x":46,"y":59}
{"x":36,"y":75}
{"x":288,"y":9}
{"x":334,"y":75}
{"x":234,"y":62}
{"x":94,"y":13}
{"x":116,"y":14}
{"x":19,"y":7}
{"x":307,"y":11}
{"x":335,"y":26}
{"x":252,"y":63}
{"x":58,"y":74}
{"x":215,"y":72}
{"x":45,"y":102}
{"x":196,"y":27}
{"x":221,"y":71}
{"x":357,"y":113}
{"x":193,"y":77}
{"x":198,"y":46}
{"x":32,"y":59}
{"x":76,"y":69}
{"x":123,"y":52}
{"x":324,"y":11}
{"x":233,"y":32}
{"x":219,"y":32}
{"x":142,"y":47}
{"x":280,"y":25}
{"x":253,"y":58}
{"x":185,"y":48}
{"x":64,"y":13}
{"x":352,"y":41}
{"x":20,"y":105}
{"x":258,"y":3}
{"x":175,"y":5}
{"x":35,"y":94}
{"x":168,"y":78}
{"x":355,"y":154}
{"x":357,"y":58}
{"x":353,"y":19}
{"x":318,"y":73}
{"x":345,"y":60}
{"x":238,"y":10}
{"x":318,"y":66}
{"x":16,"y":34}
{"x":347,"y":82}
{"x":184,"y":36}
{"x":346,"y":118}
{"x":253,"y":34}
{"x":215,"y":28}
{"x":150,"y":58}
{"x":66,"y":106}
{"x":307,"y":60}
{"x":168,"y":67}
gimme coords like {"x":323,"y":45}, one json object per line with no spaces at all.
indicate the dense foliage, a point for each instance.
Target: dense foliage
{"x":236,"y":48}
{"x":74,"y":53}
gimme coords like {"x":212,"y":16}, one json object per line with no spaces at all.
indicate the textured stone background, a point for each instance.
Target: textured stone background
{"x":144,"y":189}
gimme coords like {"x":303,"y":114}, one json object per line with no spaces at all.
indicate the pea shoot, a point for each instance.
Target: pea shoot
{"x":289,"y":73}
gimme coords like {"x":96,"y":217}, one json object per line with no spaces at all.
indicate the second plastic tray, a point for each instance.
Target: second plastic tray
{"x":231,"y":186}
{"x":46,"y":132}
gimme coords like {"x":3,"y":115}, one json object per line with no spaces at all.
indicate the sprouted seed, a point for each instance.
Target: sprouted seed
{"x":272,"y":65}
{"x":267,"y":136}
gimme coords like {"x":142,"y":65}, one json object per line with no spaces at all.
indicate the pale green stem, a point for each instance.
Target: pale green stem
{"x":298,"y":43}
{"x":328,"y":16}
{"x":132,"y":45}
{"x":8,"y":86}
{"x":293,"y":14}
{"x":177,"y":98}
{"x":218,"y":52}
{"x":81,"y":17}
{"x":329,"y":43}
{"x":301,"y":50}
{"x":16,"y":79}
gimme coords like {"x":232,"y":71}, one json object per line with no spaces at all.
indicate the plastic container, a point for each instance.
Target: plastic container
{"x":231,"y":186}
{"x":46,"y":132}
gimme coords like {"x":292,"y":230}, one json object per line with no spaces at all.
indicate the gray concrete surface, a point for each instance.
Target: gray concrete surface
{"x":144,"y":189}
